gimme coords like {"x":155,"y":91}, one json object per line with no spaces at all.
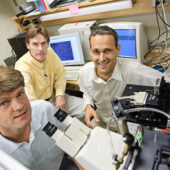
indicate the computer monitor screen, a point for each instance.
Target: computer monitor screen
{"x":132,"y":40}
{"x":127,"y":40}
{"x":68,"y":48}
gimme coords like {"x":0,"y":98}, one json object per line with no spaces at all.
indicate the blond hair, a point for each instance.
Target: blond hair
{"x":10,"y":79}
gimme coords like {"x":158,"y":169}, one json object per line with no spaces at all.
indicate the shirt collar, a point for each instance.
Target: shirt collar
{"x":115,"y":75}
{"x":12,"y":146}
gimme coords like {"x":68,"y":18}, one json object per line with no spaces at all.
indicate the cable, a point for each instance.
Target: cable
{"x":165,"y":24}
{"x":164,"y":20}
{"x":147,"y":109}
{"x":163,"y":12}
{"x":157,"y":23}
{"x":156,"y":12}
{"x":163,"y":57}
{"x":158,"y":37}
{"x":113,"y":151}
{"x":158,"y":44}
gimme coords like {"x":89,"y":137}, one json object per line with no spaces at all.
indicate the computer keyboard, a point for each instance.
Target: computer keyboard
{"x":72,"y":72}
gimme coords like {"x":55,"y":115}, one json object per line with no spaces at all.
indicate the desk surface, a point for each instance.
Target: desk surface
{"x":158,"y":58}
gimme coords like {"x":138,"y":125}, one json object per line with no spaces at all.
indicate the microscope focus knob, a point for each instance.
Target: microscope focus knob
{"x":128,"y":138}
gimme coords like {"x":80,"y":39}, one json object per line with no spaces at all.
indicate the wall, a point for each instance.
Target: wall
{"x":13,"y":5}
{"x":149,"y":21}
{"x":8,"y":27}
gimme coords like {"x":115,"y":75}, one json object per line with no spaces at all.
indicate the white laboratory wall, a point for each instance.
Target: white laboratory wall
{"x":8,"y":26}
{"x":149,"y":21}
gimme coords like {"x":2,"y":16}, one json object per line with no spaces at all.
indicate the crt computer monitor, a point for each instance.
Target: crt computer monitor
{"x":17,"y":42}
{"x":68,"y":48}
{"x":132,"y":40}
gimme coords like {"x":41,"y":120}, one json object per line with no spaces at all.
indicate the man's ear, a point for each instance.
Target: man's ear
{"x":48,"y":44}
{"x":27,"y":45}
{"x":118,"y":49}
{"x":90,"y":51}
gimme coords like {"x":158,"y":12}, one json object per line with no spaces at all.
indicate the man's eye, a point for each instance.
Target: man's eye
{"x":4,"y":103}
{"x":96,"y":52}
{"x":107,"y":51}
{"x":20,"y":94}
{"x":44,"y":43}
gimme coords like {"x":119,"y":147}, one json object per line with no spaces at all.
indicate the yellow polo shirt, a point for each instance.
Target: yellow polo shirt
{"x":41,"y":78}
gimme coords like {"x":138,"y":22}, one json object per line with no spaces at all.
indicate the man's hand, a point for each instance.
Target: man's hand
{"x":60,"y":102}
{"x":89,"y":114}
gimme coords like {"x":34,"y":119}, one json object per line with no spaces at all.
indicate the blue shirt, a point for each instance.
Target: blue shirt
{"x":41,"y":151}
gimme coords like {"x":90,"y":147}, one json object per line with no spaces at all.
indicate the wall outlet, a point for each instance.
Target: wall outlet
{"x":159,"y":2}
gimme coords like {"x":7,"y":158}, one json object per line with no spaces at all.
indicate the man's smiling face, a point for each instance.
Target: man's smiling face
{"x":104,"y":52}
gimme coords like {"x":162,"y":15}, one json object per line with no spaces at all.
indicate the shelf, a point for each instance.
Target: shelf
{"x":140,"y":7}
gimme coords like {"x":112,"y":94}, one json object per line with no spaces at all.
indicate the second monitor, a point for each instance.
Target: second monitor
{"x":68,"y":48}
{"x":132,"y":38}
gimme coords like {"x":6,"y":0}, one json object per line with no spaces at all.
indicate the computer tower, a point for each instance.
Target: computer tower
{"x":17,"y":42}
{"x":84,"y":29}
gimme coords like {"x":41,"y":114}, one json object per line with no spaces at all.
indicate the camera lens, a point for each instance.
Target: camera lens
{"x":25,"y":22}
{"x":35,"y":21}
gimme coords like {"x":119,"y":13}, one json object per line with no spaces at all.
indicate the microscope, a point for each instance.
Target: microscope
{"x":149,"y":107}
{"x":100,"y":149}
{"x":89,"y":147}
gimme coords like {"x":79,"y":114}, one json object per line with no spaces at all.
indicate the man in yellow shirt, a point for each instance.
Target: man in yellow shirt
{"x":43,"y":72}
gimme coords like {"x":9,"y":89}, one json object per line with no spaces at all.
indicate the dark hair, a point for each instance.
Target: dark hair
{"x":34,"y":30}
{"x":104,"y":30}
{"x":10,"y":79}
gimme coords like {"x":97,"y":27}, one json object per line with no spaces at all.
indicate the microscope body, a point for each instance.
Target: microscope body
{"x":89,"y":147}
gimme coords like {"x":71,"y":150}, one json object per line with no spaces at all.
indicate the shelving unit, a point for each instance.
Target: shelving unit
{"x":139,"y":7}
